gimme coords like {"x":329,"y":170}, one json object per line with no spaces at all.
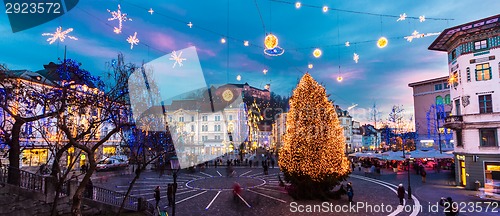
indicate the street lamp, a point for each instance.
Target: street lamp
{"x":408,"y":156}
{"x":174,"y":166}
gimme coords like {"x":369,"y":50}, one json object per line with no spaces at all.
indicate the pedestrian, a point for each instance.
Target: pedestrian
{"x":89,"y":189}
{"x":250,"y":162}
{"x":401,"y":193}
{"x":215,"y":163}
{"x":170,"y":194}
{"x":423,"y":174}
{"x":359,"y":165}
{"x":157,"y":195}
{"x":353,"y":166}
{"x":350,"y":191}
{"x":272,"y":162}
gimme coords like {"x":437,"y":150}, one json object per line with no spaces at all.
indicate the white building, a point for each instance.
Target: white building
{"x":279,"y":130}
{"x":346,"y":123}
{"x":357,"y":137}
{"x":474,"y":68}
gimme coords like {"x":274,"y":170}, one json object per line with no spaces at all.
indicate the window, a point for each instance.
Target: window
{"x":181,"y":119}
{"x":230,"y":117}
{"x":204,"y":128}
{"x":170,"y":118}
{"x":216,"y":127}
{"x":447,"y":99}
{"x":483,"y":72}
{"x":204,"y":118}
{"x":217,"y":118}
{"x":217,"y":137}
{"x":468,"y":74}
{"x":192,"y":118}
{"x":204,"y":138}
{"x":485,"y":104}
{"x":457,"y":107}
{"x":459,"y":137}
{"x":479,"y":45}
{"x":439,"y":100}
{"x":192,"y":128}
{"x":453,"y":54}
{"x":446,"y":85}
{"x":488,"y":137}
{"x":438,"y":87}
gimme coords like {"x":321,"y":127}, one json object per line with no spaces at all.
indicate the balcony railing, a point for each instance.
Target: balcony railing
{"x":454,"y":119}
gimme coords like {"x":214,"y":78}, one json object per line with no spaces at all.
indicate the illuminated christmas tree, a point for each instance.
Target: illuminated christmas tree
{"x":312,"y":157}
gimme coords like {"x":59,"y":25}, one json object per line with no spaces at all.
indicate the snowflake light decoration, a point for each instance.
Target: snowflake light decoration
{"x":421,"y":18}
{"x":190,"y":24}
{"x":238,"y":77}
{"x":264,"y":71}
{"x":151,"y":11}
{"x":133,"y":40}
{"x":355,"y":57}
{"x":401,"y":17}
{"x":177,"y":58}
{"x":347,"y":44}
{"x":416,"y":34}
{"x":121,"y":17}
{"x":59,"y":34}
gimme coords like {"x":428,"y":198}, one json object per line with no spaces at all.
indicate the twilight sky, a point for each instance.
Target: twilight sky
{"x":381,"y":76}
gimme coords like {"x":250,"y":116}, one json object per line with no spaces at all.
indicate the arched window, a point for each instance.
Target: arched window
{"x":439,"y":100}
{"x":447,"y":99}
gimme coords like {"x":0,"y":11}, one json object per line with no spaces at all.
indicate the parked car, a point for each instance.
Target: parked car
{"x":112,"y":163}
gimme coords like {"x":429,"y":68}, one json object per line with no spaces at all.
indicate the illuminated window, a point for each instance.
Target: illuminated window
{"x":479,"y":45}
{"x":485,"y":104}
{"x":488,"y":137}
{"x":483,"y":72}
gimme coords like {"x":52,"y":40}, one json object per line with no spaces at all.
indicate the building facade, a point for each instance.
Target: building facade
{"x":357,"y":137}
{"x":432,"y":103}
{"x":279,"y":130}
{"x":474,"y":75}
{"x":346,"y":123}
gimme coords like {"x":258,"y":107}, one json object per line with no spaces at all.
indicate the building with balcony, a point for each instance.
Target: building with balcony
{"x":346,"y":123}
{"x":474,"y":75}
{"x":432,"y":103}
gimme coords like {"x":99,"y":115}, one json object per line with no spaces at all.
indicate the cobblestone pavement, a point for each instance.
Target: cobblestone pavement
{"x":209,"y":192}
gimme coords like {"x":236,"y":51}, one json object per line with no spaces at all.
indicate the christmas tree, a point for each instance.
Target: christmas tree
{"x":312,"y":157}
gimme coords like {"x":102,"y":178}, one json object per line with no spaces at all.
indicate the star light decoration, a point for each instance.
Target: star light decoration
{"x":416,"y":34}
{"x":264,"y":71}
{"x":452,"y":80}
{"x":59,"y":34}
{"x":151,"y":11}
{"x":190,"y":24}
{"x":347,"y":44}
{"x":355,"y":57}
{"x":421,"y":18}
{"x":401,"y":17}
{"x":177,"y":58}
{"x":133,"y":40}
{"x":121,"y":17}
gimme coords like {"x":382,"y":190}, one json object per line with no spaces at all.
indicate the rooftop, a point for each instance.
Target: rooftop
{"x":423,"y":82}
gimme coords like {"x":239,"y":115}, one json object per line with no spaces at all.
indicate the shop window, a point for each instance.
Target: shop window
{"x":483,"y":72}
{"x":488,"y":137}
{"x":34,"y":157}
{"x":492,"y":177}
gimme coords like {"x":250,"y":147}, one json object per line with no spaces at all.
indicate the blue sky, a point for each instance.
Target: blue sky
{"x":381,"y":76}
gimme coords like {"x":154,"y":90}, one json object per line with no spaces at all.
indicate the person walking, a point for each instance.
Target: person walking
{"x":350,"y":191}
{"x":272,"y":162}
{"x":401,"y":193}
{"x":423,"y":173}
{"x":170,"y":194}
{"x":157,"y":195}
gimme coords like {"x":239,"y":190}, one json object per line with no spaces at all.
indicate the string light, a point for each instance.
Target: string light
{"x":151,"y":11}
{"x":325,"y":9}
{"x":238,"y":77}
{"x":421,"y":18}
{"x":401,"y":17}
{"x":382,"y":42}
{"x":312,"y":120}
{"x":310,"y":66}
{"x":223,"y":40}
{"x":121,"y":17}
{"x":298,"y":5}
{"x":59,"y":34}
{"x":317,"y":53}
{"x":133,"y":40}
{"x":355,"y":58}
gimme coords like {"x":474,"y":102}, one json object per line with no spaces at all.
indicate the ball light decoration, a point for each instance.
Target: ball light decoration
{"x":271,"y":41}
{"x":340,"y":78}
{"x":312,"y":157}
{"x":382,"y":42}
{"x":317,"y":53}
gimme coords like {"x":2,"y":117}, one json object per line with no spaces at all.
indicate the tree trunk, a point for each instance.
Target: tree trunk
{"x":77,"y":198}
{"x":60,"y":178}
{"x":137,"y":176}
{"x":14,"y":154}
